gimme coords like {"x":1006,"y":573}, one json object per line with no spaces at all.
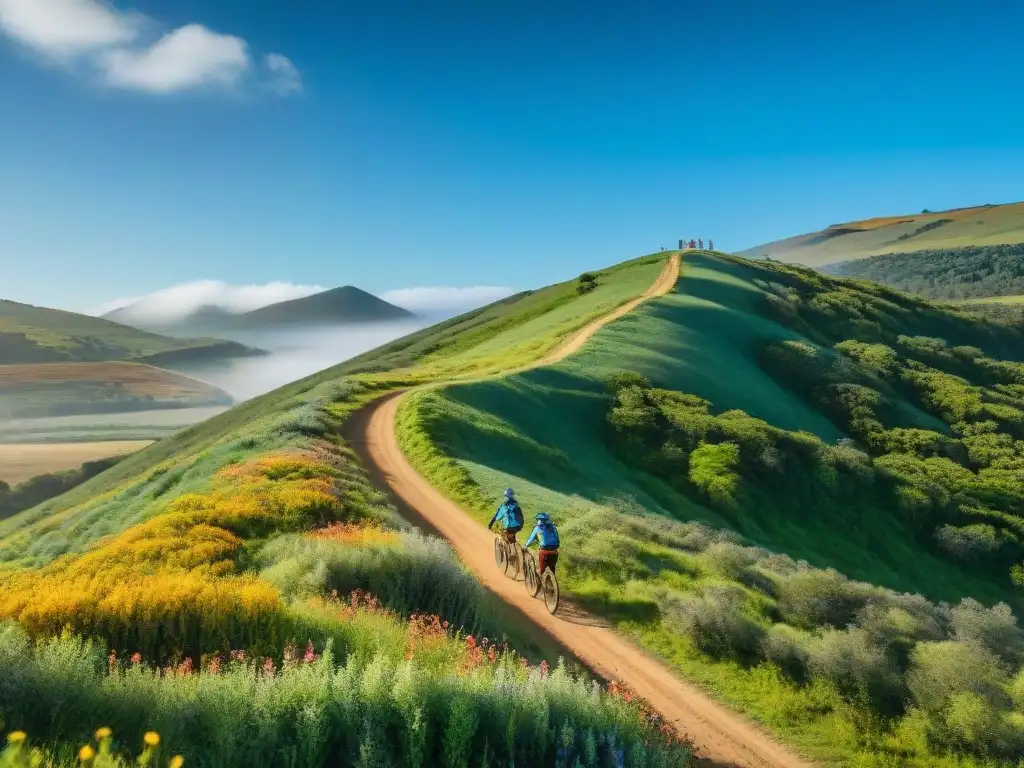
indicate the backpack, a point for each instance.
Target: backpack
{"x":515,"y":514}
{"x":549,"y":535}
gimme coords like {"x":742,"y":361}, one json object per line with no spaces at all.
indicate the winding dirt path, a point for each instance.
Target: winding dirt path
{"x":722,"y":737}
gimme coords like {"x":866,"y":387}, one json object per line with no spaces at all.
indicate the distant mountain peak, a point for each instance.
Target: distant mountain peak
{"x":345,"y":304}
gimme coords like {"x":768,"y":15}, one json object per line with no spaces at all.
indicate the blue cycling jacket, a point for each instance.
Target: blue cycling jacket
{"x":545,"y":534}
{"x":509,"y":515}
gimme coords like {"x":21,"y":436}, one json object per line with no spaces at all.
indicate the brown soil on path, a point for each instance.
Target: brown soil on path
{"x":721,"y":737}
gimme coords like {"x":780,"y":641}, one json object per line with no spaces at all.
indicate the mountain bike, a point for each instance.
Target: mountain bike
{"x":537,"y":583}
{"x":507,"y":556}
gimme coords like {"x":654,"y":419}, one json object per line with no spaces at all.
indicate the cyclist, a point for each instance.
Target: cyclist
{"x":546,"y":535}
{"x":510,"y":515}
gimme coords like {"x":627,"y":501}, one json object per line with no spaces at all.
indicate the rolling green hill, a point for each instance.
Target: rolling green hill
{"x":723,"y":459}
{"x":31,"y":334}
{"x":986,"y":225}
{"x":253,"y":546}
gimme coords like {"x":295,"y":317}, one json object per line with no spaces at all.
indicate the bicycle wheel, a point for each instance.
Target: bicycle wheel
{"x":550,"y":586}
{"x":515,"y":561}
{"x":500,"y":554}
{"x":530,"y":577}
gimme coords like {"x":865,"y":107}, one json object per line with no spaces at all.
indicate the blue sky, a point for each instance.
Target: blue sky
{"x":463,"y":143}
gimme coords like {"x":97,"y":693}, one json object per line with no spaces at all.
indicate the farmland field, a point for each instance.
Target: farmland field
{"x":56,"y":389}
{"x":21,"y":461}
{"x":104,"y":427}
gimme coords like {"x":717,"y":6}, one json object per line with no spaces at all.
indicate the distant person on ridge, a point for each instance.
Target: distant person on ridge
{"x":701,"y":244}
{"x":546,"y":535}
{"x":510,"y":515}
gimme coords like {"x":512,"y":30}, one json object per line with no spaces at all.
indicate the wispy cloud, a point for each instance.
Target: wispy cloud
{"x":284,"y":77}
{"x":130,"y":53}
{"x":446,"y":298}
{"x":177,"y":301}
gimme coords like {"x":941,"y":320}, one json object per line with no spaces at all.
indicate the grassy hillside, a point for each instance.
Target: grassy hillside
{"x":62,"y":389}
{"x":295,"y":618}
{"x":978,"y":226}
{"x":31,"y":334}
{"x":793,"y":488}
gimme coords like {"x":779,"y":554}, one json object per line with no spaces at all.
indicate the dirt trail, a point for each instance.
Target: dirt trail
{"x":722,"y":737}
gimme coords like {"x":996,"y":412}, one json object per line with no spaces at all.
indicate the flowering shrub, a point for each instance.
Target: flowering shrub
{"x":357,"y":535}
{"x":171,"y":582}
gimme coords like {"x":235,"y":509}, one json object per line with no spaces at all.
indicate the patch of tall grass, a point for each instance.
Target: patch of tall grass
{"x":312,"y":710}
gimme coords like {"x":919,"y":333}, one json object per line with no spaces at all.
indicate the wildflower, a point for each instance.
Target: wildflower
{"x":310,"y":654}
{"x":86,"y":753}
{"x":543,"y":669}
{"x":176,"y":762}
{"x":103,"y":733}
{"x":289,"y":654}
{"x":136,"y":658}
{"x":151,"y":739}
{"x":112,"y":661}
{"x":185,"y":668}
{"x":16,"y":737}
{"x":268,"y":667}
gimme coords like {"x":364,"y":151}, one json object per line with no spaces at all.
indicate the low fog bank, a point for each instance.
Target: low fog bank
{"x":297,"y":353}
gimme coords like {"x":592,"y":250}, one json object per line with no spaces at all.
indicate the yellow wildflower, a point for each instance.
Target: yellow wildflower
{"x":86,"y":753}
{"x":103,"y":733}
{"x":176,"y":762}
{"x":151,"y":739}
{"x":16,"y":737}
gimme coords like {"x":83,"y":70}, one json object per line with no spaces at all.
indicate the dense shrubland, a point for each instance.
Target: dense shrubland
{"x":953,"y":273}
{"x":933,"y":406}
{"x":892,"y":677}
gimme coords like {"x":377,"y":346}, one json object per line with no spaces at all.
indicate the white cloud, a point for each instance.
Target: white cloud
{"x":446,"y":298}
{"x":177,"y":301}
{"x":284,"y":75}
{"x":96,"y":34}
{"x":65,"y":27}
{"x":189,"y":57}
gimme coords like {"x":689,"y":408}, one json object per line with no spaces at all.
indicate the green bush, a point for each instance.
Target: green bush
{"x":786,"y":648}
{"x":713,"y":471}
{"x":938,"y":671}
{"x":713,"y":619}
{"x":821,"y":598}
{"x":851,"y":661}
{"x":992,"y":628}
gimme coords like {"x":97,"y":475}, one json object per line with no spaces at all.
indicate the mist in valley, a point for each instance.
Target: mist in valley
{"x":295,"y":354}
